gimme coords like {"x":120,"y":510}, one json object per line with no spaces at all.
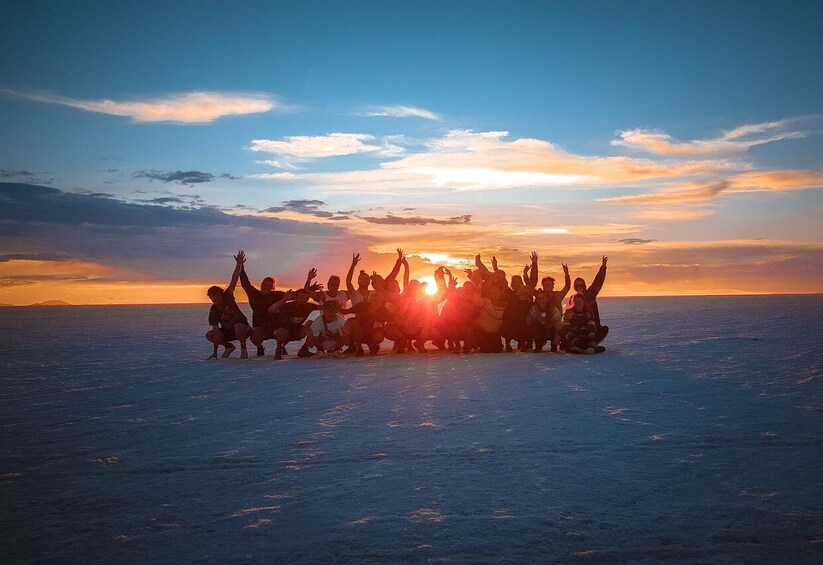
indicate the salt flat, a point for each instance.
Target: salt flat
{"x":697,"y":437}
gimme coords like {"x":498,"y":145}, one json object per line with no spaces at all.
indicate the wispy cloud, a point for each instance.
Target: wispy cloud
{"x":416,"y":220}
{"x":201,"y":107}
{"x":758,"y":181}
{"x":182,"y":177}
{"x":316,"y":146}
{"x":730,"y":143}
{"x":398,"y":112}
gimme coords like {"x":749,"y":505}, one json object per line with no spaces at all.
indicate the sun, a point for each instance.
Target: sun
{"x":430,"y":285}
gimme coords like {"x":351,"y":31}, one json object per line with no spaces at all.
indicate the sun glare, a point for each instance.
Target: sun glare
{"x":430,"y":285}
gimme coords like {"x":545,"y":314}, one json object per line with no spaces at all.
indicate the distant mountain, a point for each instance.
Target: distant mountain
{"x":52,"y":303}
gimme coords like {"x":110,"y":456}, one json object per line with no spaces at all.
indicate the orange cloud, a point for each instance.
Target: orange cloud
{"x":201,"y":107}
{"x":758,"y":181}
{"x":731,"y":143}
{"x":466,"y":160}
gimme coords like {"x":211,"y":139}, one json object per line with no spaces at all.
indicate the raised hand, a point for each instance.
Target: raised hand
{"x":315,"y":287}
{"x":494,"y":262}
{"x":289,"y":295}
{"x":400,"y":255}
{"x":605,"y":260}
{"x":565,"y":268}
{"x":533,"y":257}
{"x":355,"y":259}
{"x":240,"y":258}
{"x":312,"y":273}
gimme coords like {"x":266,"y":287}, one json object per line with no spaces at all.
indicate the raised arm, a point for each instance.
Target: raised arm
{"x":393,"y":275}
{"x":405,"y":273}
{"x":527,"y":280}
{"x":599,"y":278}
{"x":239,"y":259}
{"x":355,"y":259}
{"x":533,"y":274}
{"x":275,"y":307}
{"x":568,"y":282}
{"x":480,"y":266}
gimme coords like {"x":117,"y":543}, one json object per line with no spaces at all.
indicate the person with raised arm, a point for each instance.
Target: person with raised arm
{"x":264,"y":324}
{"x":590,"y":294}
{"x":227,"y":321}
{"x":490,"y":299}
{"x":555,"y":304}
{"x":292,"y":312}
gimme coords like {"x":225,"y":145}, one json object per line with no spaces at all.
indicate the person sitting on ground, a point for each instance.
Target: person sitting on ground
{"x":227,"y":321}
{"x":579,"y":328}
{"x":327,"y":331}
{"x":292,"y":311}
{"x":590,"y":295}
{"x":264,"y":324}
{"x":539,"y":321}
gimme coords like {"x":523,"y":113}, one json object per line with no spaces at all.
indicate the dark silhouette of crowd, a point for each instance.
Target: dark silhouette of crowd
{"x":488,"y":313}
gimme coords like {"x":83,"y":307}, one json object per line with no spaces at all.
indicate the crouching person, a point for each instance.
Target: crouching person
{"x":580,"y":329}
{"x":228,"y":323}
{"x":327,"y":333}
{"x":539,"y":321}
{"x":292,"y":311}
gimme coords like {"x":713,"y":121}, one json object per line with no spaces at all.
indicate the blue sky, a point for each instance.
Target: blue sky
{"x":573,"y":75}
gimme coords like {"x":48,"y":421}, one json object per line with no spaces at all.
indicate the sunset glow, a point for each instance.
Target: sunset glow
{"x":129,"y":182}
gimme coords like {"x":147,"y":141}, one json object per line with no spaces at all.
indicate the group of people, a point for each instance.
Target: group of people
{"x":487,"y":313}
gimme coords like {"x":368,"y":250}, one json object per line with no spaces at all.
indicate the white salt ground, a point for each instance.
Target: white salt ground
{"x":696,"y":438}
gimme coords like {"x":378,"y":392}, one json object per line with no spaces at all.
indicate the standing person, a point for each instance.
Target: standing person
{"x":264,"y":324}
{"x":227,"y":321}
{"x":590,"y":295}
{"x":292,"y":311}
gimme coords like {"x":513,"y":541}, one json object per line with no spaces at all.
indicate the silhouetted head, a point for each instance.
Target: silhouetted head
{"x":548,"y":283}
{"x":334,"y":284}
{"x":579,"y":285}
{"x":393,"y":286}
{"x":267,"y":285}
{"x":468,"y":287}
{"x":517,"y":282}
{"x":215,"y":294}
{"x":378,"y":282}
{"x":577,"y":303}
{"x":541,"y":298}
{"x":523,"y":293}
{"x":302,"y":296}
{"x":363,"y":279}
{"x":414,"y":287}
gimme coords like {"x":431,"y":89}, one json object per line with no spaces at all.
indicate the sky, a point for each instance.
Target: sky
{"x":143,"y":143}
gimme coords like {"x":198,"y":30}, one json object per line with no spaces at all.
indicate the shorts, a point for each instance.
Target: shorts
{"x":228,"y":334}
{"x":268,"y":329}
{"x":295,"y":332}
